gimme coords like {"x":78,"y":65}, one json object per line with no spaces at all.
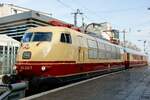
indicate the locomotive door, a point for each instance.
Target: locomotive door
{"x":127,"y":62}
{"x":80,"y":49}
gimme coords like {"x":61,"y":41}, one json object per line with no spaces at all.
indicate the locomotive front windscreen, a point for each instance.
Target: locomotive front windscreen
{"x":37,"y":36}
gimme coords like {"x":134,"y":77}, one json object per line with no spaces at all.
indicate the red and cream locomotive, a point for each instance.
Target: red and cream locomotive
{"x":56,"y":54}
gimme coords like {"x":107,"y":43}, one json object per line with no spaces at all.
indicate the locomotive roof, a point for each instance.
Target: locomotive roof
{"x":58,"y":28}
{"x":47,"y":29}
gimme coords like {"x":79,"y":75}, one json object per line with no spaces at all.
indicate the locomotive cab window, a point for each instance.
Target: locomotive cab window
{"x":65,"y":38}
{"x":37,"y":36}
{"x":42,"y":36}
{"x":27,"y":37}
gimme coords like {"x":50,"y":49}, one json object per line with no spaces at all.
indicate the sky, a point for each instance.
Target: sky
{"x":131,"y":15}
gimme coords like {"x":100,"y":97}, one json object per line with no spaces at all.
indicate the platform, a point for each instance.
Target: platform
{"x":132,"y":84}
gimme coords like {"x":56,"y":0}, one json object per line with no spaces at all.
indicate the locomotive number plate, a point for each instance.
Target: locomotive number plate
{"x":26,"y":67}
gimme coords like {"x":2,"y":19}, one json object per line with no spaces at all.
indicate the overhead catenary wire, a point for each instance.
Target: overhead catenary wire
{"x":65,"y":5}
{"x":98,"y":15}
{"x":109,"y":11}
{"x":71,"y":8}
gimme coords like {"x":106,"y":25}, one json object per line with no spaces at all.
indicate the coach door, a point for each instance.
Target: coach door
{"x":80,"y":49}
{"x":128,"y":59}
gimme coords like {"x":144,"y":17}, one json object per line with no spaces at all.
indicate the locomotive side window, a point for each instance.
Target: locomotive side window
{"x":62,"y":39}
{"x":68,"y":38}
{"x":113,"y":52}
{"x":102,"y":54}
{"x":109,"y":52}
{"x":65,"y":38}
{"x":92,"y":49}
{"x":118,"y":56}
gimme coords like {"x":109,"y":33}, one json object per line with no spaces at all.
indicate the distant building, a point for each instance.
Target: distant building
{"x":104,"y":31}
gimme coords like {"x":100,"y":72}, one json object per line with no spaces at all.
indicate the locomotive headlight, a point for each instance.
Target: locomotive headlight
{"x":43,"y":68}
{"x":14,"y":67}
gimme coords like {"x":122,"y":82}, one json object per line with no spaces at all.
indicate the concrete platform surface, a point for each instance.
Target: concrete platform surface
{"x":132,"y":84}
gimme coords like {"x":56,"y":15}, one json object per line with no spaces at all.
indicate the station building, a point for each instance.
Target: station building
{"x":8,"y":51}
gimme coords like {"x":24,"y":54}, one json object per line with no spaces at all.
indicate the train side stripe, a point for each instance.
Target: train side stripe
{"x":46,"y":62}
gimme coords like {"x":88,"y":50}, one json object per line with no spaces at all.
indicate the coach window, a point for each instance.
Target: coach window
{"x":65,"y":38}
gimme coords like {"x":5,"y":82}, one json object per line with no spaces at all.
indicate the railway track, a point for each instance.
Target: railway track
{"x":47,"y":88}
{"x":13,"y":90}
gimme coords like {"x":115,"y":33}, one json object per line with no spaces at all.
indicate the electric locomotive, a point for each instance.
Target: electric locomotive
{"x":54,"y":54}
{"x":63,"y":53}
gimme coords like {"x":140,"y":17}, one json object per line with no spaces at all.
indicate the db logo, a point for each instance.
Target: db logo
{"x":25,"y":46}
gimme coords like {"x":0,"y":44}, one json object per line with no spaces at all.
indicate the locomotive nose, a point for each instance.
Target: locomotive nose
{"x":36,"y":51}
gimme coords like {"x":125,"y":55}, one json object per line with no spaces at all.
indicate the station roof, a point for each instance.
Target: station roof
{"x":26,"y":15}
{"x":6,"y":40}
{"x":15,"y":25}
